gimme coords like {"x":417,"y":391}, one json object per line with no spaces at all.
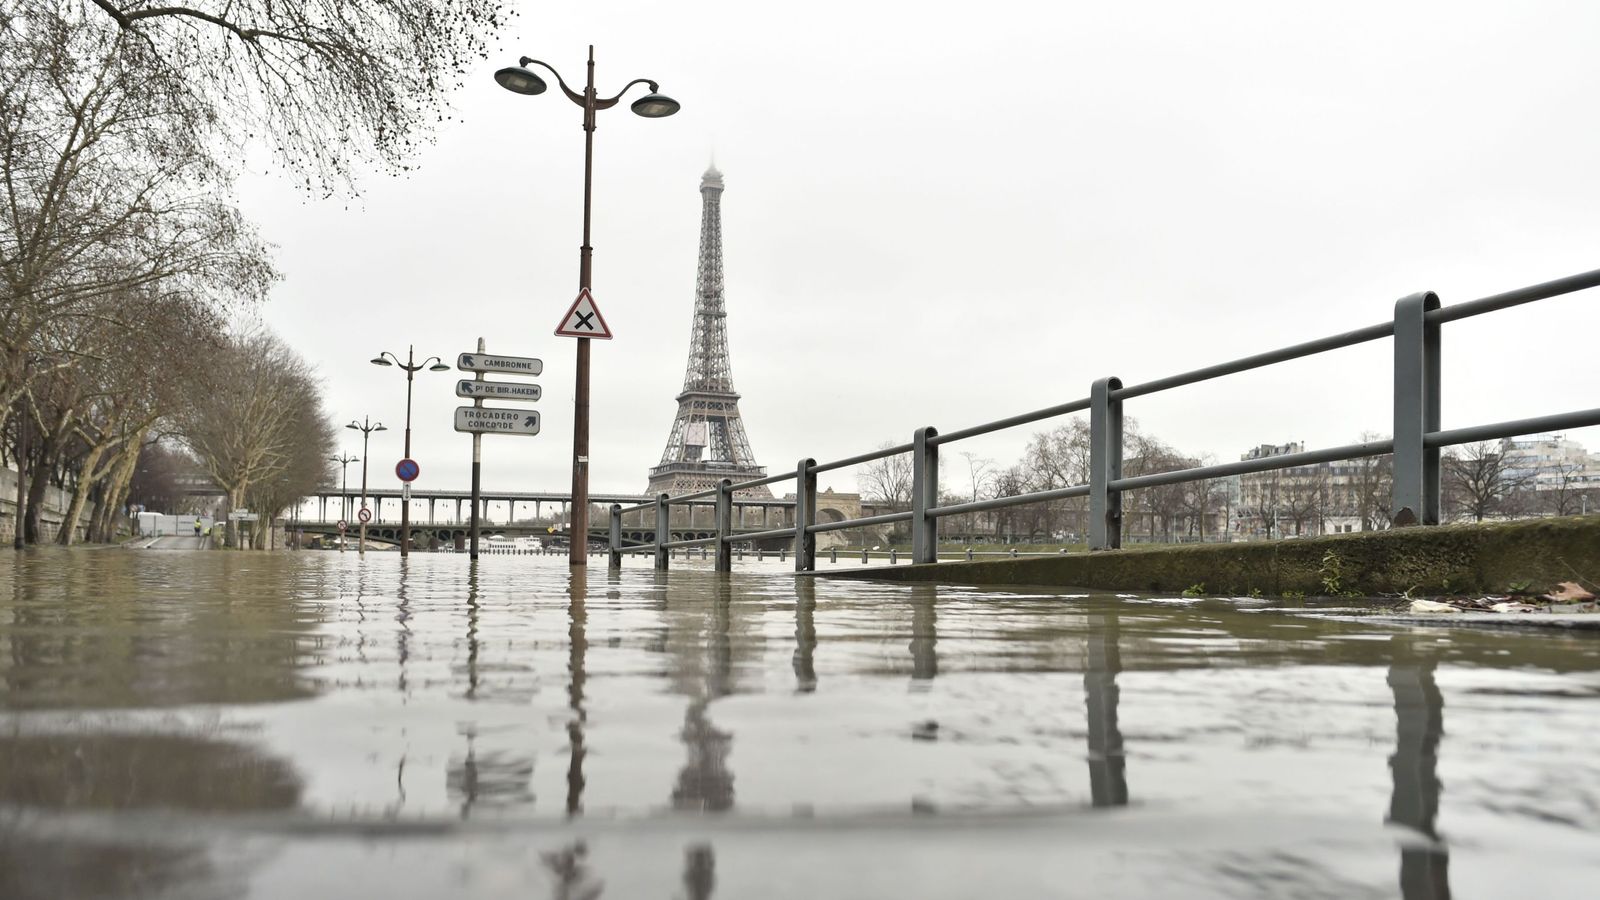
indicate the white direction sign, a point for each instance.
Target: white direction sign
{"x":511,"y":365}
{"x":497,"y":390}
{"x":496,"y":420}
{"x":583,"y":319}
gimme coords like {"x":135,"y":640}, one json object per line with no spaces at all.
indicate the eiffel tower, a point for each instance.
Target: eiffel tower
{"x":708,"y":442}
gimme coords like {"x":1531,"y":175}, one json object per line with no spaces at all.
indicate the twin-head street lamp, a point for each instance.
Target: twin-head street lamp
{"x":366,"y":428}
{"x":344,"y":460}
{"x":411,"y":367}
{"x":522,"y":80}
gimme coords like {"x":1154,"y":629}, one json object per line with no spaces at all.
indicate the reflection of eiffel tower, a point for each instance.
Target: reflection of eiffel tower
{"x":708,"y":442}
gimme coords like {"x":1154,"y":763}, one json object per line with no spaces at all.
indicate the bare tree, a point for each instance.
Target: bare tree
{"x":887,"y":480}
{"x":107,"y":192}
{"x":1479,"y":479}
{"x":326,"y":84}
{"x":258,"y":428}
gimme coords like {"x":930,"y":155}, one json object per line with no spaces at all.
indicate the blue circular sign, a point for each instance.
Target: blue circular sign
{"x":407,"y":470}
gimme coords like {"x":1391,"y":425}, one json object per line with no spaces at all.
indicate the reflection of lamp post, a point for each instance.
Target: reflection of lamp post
{"x":366,"y":428}
{"x":411,"y":368}
{"x":519,"y":79}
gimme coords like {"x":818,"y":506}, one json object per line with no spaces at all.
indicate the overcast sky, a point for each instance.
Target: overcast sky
{"x":940,"y":214}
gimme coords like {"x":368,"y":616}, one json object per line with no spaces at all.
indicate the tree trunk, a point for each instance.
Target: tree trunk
{"x":80,"y":495}
{"x":115,"y":492}
{"x":38,"y":484}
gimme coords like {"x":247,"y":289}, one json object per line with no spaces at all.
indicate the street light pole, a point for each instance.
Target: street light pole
{"x":519,"y":79}
{"x":344,"y":460}
{"x":366,"y":428}
{"x":411,"y":367}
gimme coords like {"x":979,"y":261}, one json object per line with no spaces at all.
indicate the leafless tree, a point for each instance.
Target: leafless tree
{"x":887,"y":480}
{"x":326,"y":84}
{"x":1479,"y":479}
{"x":258,"y":428}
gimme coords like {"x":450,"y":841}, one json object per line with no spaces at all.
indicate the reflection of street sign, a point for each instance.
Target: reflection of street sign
{"x":511,"y":365}
{"x":365,"y":515}
{"x":496,"y":420}
{"x":343,"y":524}
{"x":407,"y":470}
{"x":583,"y":319}
{"x":497,"y":390}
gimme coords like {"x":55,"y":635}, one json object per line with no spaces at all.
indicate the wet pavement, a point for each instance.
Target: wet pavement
{"x":302,"y":725}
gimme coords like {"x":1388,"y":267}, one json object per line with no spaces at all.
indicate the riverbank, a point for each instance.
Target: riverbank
{"x":1491,"y":558}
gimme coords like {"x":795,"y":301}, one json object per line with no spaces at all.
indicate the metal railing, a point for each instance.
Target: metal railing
{"x":1415,"y":445}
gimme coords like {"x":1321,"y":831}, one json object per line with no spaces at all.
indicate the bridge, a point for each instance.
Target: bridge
{"x":447,"y":515}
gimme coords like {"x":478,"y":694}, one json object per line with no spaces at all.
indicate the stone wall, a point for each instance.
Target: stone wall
{"x":1489,"y":558}
{"x":55,"y":506}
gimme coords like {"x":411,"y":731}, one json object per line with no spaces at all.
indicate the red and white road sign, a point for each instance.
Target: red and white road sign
{"x":343,"y":525}
{"x":583,"y":319}
{"x":365,"y":515}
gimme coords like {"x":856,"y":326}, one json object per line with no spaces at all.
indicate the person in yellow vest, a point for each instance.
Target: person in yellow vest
{"x":197,"y":527}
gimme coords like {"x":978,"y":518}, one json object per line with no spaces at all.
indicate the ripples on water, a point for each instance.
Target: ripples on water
{"x":316,"y":724}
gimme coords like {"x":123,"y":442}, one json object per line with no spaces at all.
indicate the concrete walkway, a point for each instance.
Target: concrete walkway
{"x":178,"y":542}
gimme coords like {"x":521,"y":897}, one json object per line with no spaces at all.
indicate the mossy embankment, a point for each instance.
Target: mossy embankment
{"x":1490,"y":558}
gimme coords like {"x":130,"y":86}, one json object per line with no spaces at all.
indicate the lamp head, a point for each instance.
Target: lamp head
{"x":438,"y":367}
{"x":380,"y":361}
{"x":354,"y":426}
{"x":654,"y":106}
{"x":519,"y":80}
{"x":379,"y":427}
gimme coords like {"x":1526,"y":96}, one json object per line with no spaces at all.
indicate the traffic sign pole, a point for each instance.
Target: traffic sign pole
{"x":477,"y":466}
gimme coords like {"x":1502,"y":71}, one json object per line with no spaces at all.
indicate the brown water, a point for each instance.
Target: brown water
{"x":317,"y":725}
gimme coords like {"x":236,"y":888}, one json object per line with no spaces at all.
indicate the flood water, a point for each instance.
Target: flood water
{"x":305,"y":725}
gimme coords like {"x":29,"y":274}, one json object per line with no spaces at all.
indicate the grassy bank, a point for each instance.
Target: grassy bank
{"x":1490,"y":558}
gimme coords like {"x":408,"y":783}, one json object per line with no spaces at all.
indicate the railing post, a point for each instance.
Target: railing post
{"x":724,"y":525}
{"x":1416,"y":411}
{"x":663,"y":531}
{"x":1105,"y":465}
{"x":616,"y":536}
{"x":924,"y":496}
{"x":805,"y":516}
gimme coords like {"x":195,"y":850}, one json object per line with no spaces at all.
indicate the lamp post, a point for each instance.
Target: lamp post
{"x":344,"y":460}
{"x":366,"y":428}
{"x":521,"y":80}
{"x":411,"y":368}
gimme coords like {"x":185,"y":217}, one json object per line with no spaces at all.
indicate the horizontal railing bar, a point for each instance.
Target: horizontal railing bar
{"x":861,"y":458}
{"x":858,"y":523}
{"x":1048,"y":412}
{"x":1080,"y":490}
{"x":689,"y":542}
{"x":1262,"y":464}
{"x":698,"y":495}
{"x":1246,"y":363}
{"x":759,"y":535}
{"x":628,"y":509}
{"x":1560,"y":421}
{"x":1515,"y":298}
{"x":763,"y":482}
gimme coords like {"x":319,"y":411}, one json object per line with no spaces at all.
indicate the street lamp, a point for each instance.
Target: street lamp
{"x":344,"y":460}
{"x":366,"y":428}
{"x":520,"y":79}
{"x":411,"y":368}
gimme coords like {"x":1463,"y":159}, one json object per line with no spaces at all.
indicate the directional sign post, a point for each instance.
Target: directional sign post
{"x":496,"y":420}
{"x":343,"y":525}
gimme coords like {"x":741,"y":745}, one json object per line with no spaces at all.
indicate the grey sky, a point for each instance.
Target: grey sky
{"x":941,"y":214}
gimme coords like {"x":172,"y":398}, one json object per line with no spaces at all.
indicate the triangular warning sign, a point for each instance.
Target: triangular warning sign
{"x":583,"y":320}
